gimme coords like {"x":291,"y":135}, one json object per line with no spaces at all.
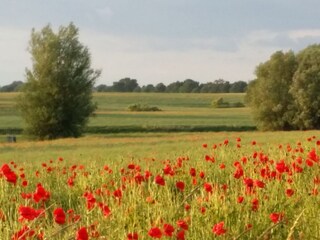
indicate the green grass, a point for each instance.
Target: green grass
{"x":180,"y":112}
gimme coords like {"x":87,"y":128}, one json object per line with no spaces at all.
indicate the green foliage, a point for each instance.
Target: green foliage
{"x":269,"y":96}
{"x":12,"y":87}
{"x":187,"y":86}
{"x":143,"y":108}
{"x":306,"y":88}
{"x":57,"y":97}
{"x":285,"y":95}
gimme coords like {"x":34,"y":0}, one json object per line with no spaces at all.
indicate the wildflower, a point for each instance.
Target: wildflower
{"x":132,"y":236}
{"x":168,"y":230}
{"x":159,"y":180}
{"x":182,"y":224}
{"x":59,"y":216}
{"x":9,"y":175}
{"x":29,"y":213}
{"x":218,"y":229}
{"x":276,"y":217}
{"x":180,"y":185}
{"x":155,"y":233}
{"x":82,"y":234}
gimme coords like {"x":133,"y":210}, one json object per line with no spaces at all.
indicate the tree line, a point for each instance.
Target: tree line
{"x":186,"y":86}
{"x":131,"y":85}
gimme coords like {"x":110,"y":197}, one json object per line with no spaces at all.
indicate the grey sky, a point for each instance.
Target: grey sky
{"x":163,"y":40}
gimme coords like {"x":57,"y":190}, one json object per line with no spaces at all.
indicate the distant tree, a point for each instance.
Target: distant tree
{"x":306,"y":89}
{"x":160,"y":87}
{"x":12,"y":87}
{"x":188,"y":86}
{"x":102,"y":88}
{"x":222,"y":86}
{"x":57,"y":97}
{"x":174,"y":87}
{"x":269,"y":96}
{"x":125,"y":85}
{"x":148,"y":88}
{"x":238,"y":87}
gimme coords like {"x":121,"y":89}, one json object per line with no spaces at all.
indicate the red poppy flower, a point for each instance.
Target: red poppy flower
{"x":132,"y":236}
{"x":41,"y":194}
{"x":59,"y":216}
{"x":192,"y":172}
{"x":182,"y":224}
{"x":155,"y":233}
{"x":23,"y":233}
{"x":276,"y":217}
{"x":9,"y":175}
{"x":181,"y":235}
{"x":159,"y":180}
{"x":255,"y":204}
{"x":240,"y":199}
{"x":29,"y":213}
{"x":168,"y":230}
{"x":218,"y":229}
{"x":180,"y":185}
{"x":207,"y":187}
{"x":289,"y":192}
{"x":105,"y":210}
{"x":117,"y":193}
{"x":82,"y":234}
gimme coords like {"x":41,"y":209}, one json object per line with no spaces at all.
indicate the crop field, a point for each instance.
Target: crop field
{"x":226,"y":185}
{"x":180,"y":112}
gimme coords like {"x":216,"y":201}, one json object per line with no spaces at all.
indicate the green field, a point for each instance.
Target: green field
{"x":180,"y":112}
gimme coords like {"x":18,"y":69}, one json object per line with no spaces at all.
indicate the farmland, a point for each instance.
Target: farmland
{"x":168,"y":185}
{"x":188,"y":112}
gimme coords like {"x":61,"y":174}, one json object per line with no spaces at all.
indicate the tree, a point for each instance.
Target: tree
{"x":57,"y":97}
{"x":238,"y":87}
{"x":188,"y":86}
{"x":125,"y":85}
{"x":12,"y":87}
{"x":148,"y":88}
{"x":160,"y":87}
{"x":174,"y":87}
{"x":306,"y":88}
{"x":269,"y":95}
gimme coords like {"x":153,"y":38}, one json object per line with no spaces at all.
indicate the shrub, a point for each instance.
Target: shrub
{"x":143,"y":108}
{"x":220,"y":103}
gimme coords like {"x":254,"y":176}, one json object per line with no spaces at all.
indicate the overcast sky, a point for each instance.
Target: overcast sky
{"x":163,"y":40}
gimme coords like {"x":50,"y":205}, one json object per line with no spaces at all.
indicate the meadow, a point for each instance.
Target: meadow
{"x":160,"y":185}
{"x":226,"y":185}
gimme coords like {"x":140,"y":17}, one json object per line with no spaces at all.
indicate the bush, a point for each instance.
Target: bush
{"x":143,"y":108}
{"x":220,"y":103}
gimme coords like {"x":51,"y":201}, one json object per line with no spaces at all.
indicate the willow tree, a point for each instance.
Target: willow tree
{"x":56,"y":100}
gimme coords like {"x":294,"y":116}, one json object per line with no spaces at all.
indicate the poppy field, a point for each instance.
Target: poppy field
{"x":233,"y":186}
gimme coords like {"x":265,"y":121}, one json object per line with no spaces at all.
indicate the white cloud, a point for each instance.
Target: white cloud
{"x":304,"y":33}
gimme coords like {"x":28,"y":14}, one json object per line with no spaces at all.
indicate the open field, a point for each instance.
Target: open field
{"x":226,"y":185}
{"x":181,"y":112}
